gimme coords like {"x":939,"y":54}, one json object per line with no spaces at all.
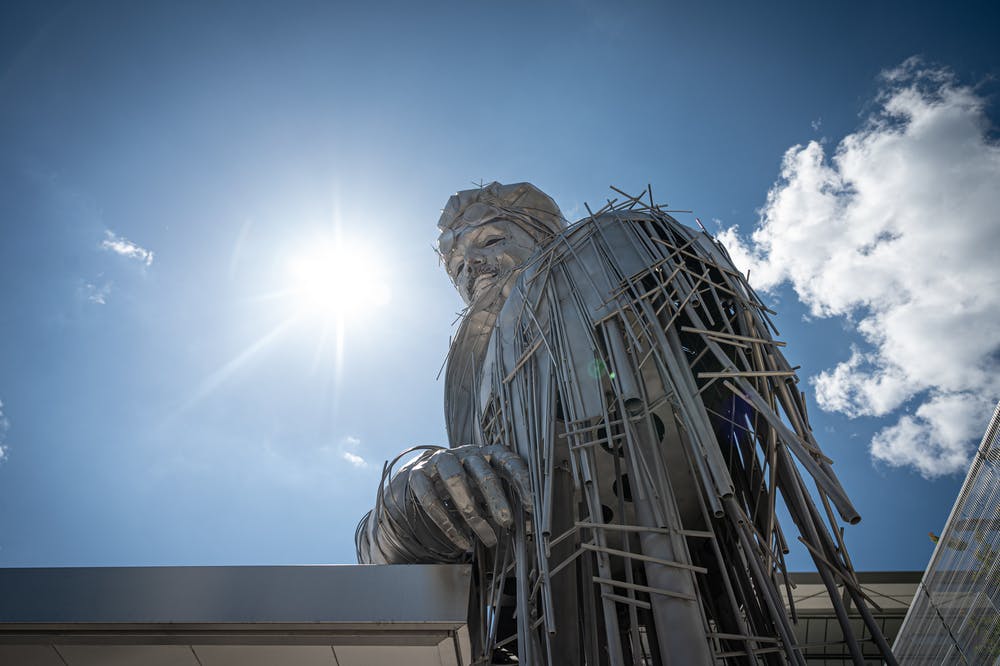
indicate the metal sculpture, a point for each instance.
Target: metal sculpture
{"x":622,"y":422}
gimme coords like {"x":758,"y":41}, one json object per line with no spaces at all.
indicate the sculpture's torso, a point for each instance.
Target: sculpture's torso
{"x":545,"y":376}
{"x":633,"y":369}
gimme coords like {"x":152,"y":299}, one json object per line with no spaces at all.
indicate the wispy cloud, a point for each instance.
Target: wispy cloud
{"x":348,"y":447}
{"x":97,"y":294}
{"x":126,"y":248}
{"x":898,"y":232}
{"x":354,"y":459}
{"x":4,"y":427}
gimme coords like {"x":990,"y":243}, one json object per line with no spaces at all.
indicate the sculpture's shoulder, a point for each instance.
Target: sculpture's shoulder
{"x":595,"y":258}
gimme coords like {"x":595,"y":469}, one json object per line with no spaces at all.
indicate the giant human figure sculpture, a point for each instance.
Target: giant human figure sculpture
{"x":621,"y":423}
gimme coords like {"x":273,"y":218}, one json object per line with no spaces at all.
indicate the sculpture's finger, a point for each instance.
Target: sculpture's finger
{"x":513,"y":468}
{"x":452,"y":475}
{"x":491,"y":489}
{"x":423,"y":490}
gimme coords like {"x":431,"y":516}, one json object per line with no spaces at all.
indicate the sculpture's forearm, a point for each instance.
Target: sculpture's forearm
{"x":363,"y":543}
{"x":382,"y":542}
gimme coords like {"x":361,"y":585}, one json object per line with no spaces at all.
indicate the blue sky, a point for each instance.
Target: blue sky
{"x":162,"y":165}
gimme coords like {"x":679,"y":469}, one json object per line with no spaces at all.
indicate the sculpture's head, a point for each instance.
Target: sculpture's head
{"x":488,"y":233}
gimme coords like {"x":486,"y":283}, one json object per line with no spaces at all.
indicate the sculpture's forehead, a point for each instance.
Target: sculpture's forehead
{"x":479,"y":213}
{"x":451,"y":239}
{"x":519,"y":205}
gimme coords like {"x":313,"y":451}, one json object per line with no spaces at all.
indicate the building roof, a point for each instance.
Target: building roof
{"x":308,"y":615}
{"x":220,"y":616}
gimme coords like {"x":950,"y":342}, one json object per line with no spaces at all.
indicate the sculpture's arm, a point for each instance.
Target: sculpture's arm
{"x":435,"y":506}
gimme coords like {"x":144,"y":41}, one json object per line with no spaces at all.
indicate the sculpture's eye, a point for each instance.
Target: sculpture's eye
{"x":459,"y":268}
{"x":492,"y":241}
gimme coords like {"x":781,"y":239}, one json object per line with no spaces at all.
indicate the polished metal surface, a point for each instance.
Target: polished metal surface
{"x":212,"y":616}
{"x":352,"y":594}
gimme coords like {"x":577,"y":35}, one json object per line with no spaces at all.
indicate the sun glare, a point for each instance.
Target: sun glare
{"x":336,"y":281}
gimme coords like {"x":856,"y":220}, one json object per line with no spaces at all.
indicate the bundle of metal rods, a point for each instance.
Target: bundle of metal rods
{"x":633,"y":367}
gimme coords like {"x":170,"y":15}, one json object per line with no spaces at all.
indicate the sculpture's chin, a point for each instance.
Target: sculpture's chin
{"x":486,"y":297}
{"x":490,"y":291}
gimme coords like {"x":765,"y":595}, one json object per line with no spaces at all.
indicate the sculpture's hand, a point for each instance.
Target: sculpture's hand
{"x":435,"y":507}
{"x":460,"y":490}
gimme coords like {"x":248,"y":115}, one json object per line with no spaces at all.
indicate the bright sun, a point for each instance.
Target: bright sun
{"x":336,"y":281}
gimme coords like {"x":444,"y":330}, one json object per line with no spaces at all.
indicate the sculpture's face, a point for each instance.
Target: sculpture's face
{"x":484,"y":257}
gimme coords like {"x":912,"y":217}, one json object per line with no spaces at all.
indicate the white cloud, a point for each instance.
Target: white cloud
{"x":353,"y":443}
{"x":354,"y":459}
{"x":898,"y":231}
{"x":126,"y":248}
{"x":937,"y":437}
{"x":4,"y":427}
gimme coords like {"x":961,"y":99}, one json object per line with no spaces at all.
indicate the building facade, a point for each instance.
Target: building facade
{"x":955,"y":615}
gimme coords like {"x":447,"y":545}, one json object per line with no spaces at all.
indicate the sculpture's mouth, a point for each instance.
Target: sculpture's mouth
{"x":481,"y":277}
